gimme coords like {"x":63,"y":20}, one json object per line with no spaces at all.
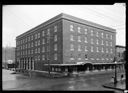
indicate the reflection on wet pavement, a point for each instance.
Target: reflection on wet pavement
{"x":22,"y":82}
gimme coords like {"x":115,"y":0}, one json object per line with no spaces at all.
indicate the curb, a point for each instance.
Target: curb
{"x":111,"y":86}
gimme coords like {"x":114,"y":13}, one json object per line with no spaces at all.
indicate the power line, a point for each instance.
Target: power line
{"x":119,"y":25}
{"x":110,"y":12}
{"x":102,"y":14}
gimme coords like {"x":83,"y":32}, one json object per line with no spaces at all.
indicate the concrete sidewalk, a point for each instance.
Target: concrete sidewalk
{"x":119,"y":86}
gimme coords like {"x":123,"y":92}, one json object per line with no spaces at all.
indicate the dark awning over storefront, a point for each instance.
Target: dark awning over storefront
{"x":77,"y":63}
{"x":83,"y":63}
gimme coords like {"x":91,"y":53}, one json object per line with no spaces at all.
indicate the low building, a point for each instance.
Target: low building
{"x":120,"y":53}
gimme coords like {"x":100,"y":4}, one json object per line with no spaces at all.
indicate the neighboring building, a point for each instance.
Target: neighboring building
{"x":120,"y":53}
{"x":65,"y":40}
{"x":8,"y":53}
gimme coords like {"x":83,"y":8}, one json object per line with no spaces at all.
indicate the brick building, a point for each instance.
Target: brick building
{"x":120,"y":53}
{"x":65,"y":41}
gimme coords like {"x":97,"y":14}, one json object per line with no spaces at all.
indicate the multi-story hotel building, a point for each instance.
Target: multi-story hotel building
{"x":65,"y":40}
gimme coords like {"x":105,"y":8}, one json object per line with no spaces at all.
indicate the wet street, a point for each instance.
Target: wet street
{"x":83,"y":82}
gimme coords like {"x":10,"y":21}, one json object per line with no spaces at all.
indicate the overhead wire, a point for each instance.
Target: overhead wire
{"x":101,"y":14}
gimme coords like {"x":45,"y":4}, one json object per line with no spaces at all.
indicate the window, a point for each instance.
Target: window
{"x":86,"y":57}
{"x":71,"y":37}
{"x":43,"y":34}
{"x":97,"y":49}
{"x":102,"y":50}
{"x":102,"y":58}
{"x":38,"y":57}
{"x":26,"y":39}
{"x":48,"y":31}
{"x":97,"y":34}
{"x":91,"y":32}
{"x":38,"y":42}
{"x":106,"y":36}
{"x":91,"y":48}
{"x":38,"y":35}
{"x":21,"y":41}
{"x":72,"y":47}
{"x":97,"y":41}
{"x":86,"y":40}
{"x":38,"y":50}
{"x":43,"y":41}
{"x":48,"y":48}
{"x":79,"y":39}
{"x":35,"y":36}
{"x":32,"y":37}
{"x":107,"y":59}
{"x":21,"y":47}
{"x":111,"y":51}
{"x":79,"y":48}
{"x":92,"y":41}
{"x":71,"y":57}
{"x":85,"y":31}
{"x":79,"y":29}
{"x":106,"y":43}
{"x":32,"y":51}
{"x":79,"y":56}
{"x":43,"y":49}
{"x":102,"y":35}
{"x":97,"y":59}
{"x":28,"y":51}
{"x":55,"y":47}
{"x":32,"y":44}
{"x":29,"y":38}
{"x":55,"y":28}
{"x":43,"y":57}
{"x":86,"y":49}
{"x":111,"y":37}
{"x":48,"y":39}
{"x":71,"y":28}
{"x":106,"y":50}
{"x":35,"y":43}
{"x":55,"y":38}
{"x":55,"y":56}
{"x":26,"y":45}
{"x":102,"y":43}
{"x":110,"y":43}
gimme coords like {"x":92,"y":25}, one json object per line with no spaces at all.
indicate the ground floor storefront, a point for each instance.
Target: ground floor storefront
{"x":71,"y":68}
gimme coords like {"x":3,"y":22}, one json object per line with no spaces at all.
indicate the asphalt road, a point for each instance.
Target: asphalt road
{"x":91,"y":82}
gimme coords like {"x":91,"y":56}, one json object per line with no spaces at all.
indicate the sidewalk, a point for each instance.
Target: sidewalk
{"x":119,"y":86}
{"x":96,"y":72}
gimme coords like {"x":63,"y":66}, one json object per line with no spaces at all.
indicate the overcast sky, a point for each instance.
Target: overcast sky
{"x":17,"y":19}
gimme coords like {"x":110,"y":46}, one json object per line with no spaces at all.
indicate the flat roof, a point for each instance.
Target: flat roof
{"x":70,"y":18}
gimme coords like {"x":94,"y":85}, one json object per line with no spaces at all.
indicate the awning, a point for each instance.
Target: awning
{"x":77,"y":63}
{"x":109,"y":63}
{"x":82,"y":63}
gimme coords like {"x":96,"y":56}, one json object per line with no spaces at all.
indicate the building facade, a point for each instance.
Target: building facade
{"x":65,"y":39}
{"x":120,"y":53}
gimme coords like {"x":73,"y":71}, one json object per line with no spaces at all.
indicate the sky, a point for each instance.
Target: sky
{"x":17,"y":19}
